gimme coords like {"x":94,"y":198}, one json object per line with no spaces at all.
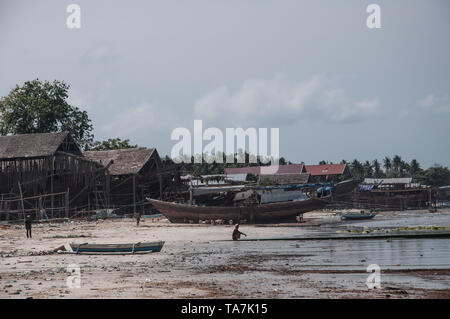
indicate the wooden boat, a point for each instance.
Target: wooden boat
{"x":137,"y":248}
{"x":258,"y":213}
{"x":357,"y":216}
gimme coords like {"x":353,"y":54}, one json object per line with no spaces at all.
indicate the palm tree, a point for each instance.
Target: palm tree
{"x":397,"y":163}
{"x":414,"y":168}
{"x":368,"y":171}
{"x":357,"y":169}
{"x":387,"y":164}
{"x":378,"y":172}
{"x":404,"y":168}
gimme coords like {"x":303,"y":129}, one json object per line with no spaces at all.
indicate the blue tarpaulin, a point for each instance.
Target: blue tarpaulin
{"x":365,"y":188}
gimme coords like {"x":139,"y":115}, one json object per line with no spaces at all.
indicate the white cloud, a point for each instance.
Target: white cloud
{"x":79,"y":100}
{"x":440,"y":104}
{"x":355,"y":111}
{"x":278,"y":101}
{"x":142,"y":118}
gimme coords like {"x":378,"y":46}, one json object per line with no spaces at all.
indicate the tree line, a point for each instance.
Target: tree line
{"x":42,"y":107}
{"x":436,"y":175}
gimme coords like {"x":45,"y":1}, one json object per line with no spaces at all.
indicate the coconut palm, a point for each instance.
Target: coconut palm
{"x":368,"y":170}
{"x":414,"y":167}
{"x":377,"y":171}
{"x":404,"y":168}
{"x":397,"y":163}
{"x":387,"y":164}
{"x":357,"y":169}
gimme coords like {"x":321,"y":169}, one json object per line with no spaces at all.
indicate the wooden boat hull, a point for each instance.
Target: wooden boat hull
{"x":357,"y":217}
{"x":137,"y":248}
{"x":265,"y":213}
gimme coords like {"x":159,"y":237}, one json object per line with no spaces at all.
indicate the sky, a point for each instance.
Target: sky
{"x":335,"y":88}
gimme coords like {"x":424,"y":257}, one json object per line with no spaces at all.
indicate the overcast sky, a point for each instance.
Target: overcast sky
{"x":335,"y":88}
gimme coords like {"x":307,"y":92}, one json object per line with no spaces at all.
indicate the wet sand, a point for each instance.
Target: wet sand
{"x":199,"y":261}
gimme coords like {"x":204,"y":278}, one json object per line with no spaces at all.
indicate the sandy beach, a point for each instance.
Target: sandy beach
{"x":201,"y":261}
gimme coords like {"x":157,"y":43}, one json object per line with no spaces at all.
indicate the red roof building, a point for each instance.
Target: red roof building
{"x":267,"y":170}
{"x":326,"y":169}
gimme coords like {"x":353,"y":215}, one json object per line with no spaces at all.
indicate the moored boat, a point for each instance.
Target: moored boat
{"x":357,"y":216}
{"x":134,"y":248}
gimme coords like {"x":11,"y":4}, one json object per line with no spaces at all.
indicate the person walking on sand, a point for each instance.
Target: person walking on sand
{"x":237,"y":234}
{"x":28,"y":226}
{"x":138,"y":218}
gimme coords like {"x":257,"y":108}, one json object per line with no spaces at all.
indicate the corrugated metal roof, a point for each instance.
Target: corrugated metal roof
{"x":301,"y":178}
{"x":267,"y":170}
{"x":399,"y":180}
{"x":126,"y":161}
{"x":325,"y":169}
{"x":237,"y":177}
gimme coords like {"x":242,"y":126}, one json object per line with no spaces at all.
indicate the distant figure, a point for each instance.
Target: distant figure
{"x":28,"y":226}
{"x":237,"y":234}
{"x":138,"y":218}
{"x":44,"y":214}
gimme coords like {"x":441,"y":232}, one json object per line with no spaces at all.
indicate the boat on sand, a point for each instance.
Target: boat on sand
{"x":357,"y":216}
{"x":277,"y":212}
{"x":117,"y":249}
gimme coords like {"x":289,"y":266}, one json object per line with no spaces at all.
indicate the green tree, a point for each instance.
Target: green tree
{"x":377,"y":171}
{"x":357,"y":169}
{"x":368,"y":170}
{"x":414,"y":168}
{"x":387,"y":164}
{"x":404,"y":169}
{"x":42,"y":107}
{"x":397,"y":164}
{"x":436,"y":175}
{"x":110,"y":144}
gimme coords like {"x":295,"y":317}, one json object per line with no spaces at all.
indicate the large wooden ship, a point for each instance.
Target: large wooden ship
{"x":253,"y":214}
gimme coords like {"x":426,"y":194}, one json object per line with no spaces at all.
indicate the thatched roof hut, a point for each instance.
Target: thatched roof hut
{"x":127,"y":161}
{"x":49,"y":170}
{"x":134,"y":175}
{"x":37,"y":145}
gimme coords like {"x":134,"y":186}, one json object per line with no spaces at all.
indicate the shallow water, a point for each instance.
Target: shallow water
{"x":344,"y":254}
{"x":403,"y":219}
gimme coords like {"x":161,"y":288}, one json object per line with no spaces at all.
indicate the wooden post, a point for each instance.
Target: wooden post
{"x":51,"y":183}
{"x":1,"y":209}
{"x":160,"y":186}
{"x":41,"y":213}
{"x":21,"y":201}
{"x":108,"y":190}
{"x":431,"y":202}
{"x":67,"y":204}
{"x":143,"y":201}
{"x":134,"y":193}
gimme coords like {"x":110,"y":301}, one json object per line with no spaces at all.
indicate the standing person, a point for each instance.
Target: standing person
{"x":28,"y":226}
{"x":138,"y":218}
{"x":237,"y":234}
